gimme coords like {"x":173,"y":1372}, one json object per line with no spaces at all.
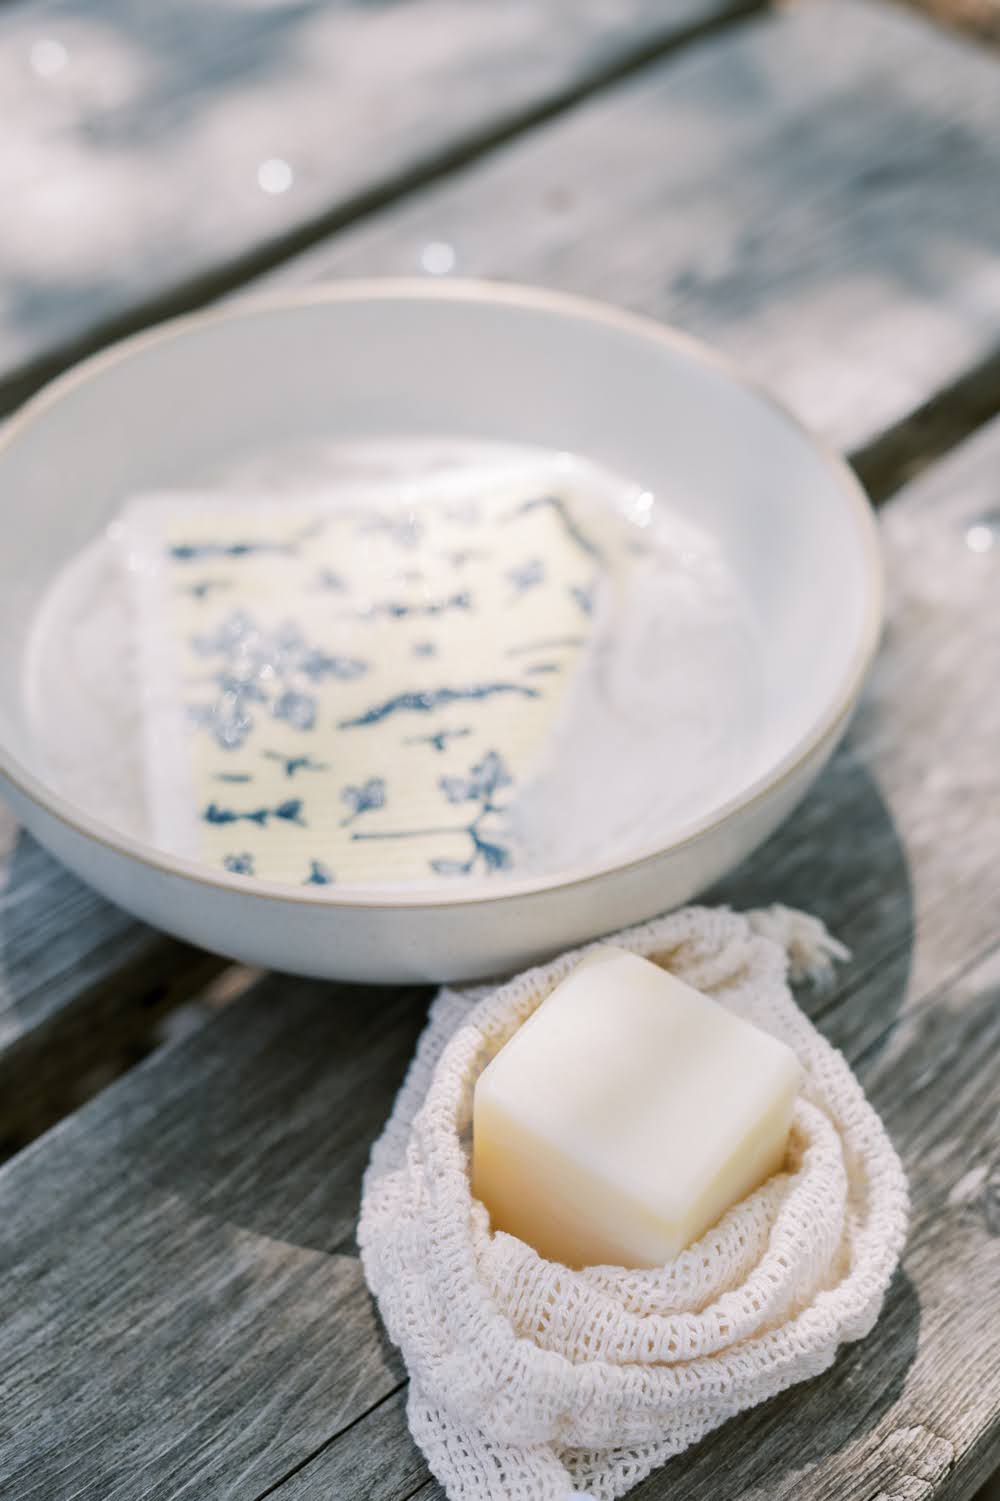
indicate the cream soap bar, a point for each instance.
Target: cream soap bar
{"x":627,"y":1115}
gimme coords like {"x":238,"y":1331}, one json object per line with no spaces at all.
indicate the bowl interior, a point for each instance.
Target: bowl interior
{"x":466,"y":362}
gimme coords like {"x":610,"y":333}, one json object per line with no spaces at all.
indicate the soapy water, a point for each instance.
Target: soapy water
{"x":659,"y":725}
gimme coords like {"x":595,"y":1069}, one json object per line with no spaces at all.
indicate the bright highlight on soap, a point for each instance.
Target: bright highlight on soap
{"x":627,"y":1115}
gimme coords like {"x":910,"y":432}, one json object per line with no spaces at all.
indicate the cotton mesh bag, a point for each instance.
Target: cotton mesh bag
{"x":532,"y":1382}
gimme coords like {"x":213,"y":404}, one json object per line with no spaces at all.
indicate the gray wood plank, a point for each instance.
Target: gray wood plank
{"x":909,"y":1414}
{"x":820,"y":149}
{"x":814,"y":191}
{"x":376,"y":1459}
{"x":130,"y":140}
{"x":82,"y":987}
{"x":110,"y":148}
{"x":185,"y":1316}
{"x":910,"y":807}
{"x":896,"y":849}
{"x":915,"y":1409}
{"x":150,"y":152}
{"x":200,"y":1266}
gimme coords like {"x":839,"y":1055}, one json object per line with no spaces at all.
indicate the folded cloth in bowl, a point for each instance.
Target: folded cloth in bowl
{"x":531,"y":1382}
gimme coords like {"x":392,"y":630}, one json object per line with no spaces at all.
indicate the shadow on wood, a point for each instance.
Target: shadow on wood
{"x":840,"y":857}
{"x":82,"y":988}
{"x":211,"y":1197}
{"x":278,"y":1136}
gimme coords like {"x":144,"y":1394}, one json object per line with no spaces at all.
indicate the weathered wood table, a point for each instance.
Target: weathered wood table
{"x":817,"y":190}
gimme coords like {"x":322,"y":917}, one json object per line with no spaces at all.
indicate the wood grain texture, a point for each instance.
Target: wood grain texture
{"x":897,"y":849}
{"x":554,"y":208}
{"x":914,"y":1410}
{"x":375,"y":1459}
{"x":201,"y":1328}
{"x":183,"y":1288}
{"x":131,"y":167}
{"x":908,"y":813}
{"x":912,"y":1413}
{"x":135,"y":137}
{"x":185,"y":1314}
{"x":814,"y":191}
{"x":82,"y":987}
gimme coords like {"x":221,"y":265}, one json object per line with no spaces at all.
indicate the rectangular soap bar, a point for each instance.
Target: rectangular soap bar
{"x":627,"y":1115}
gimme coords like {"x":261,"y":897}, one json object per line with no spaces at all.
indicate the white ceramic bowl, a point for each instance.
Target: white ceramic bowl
{"x":466,"y":360}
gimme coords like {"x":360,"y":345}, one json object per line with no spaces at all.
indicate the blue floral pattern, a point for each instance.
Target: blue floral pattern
{"x":423,"y":702}
{"x":239,"y":865}
{"x":488,"y":777}
{"x":320,"y":665}
{"x":574,"y":531}
{"x":439,"y":741}
{"x":294,"y":764}
{"x":295,"y":622}
{"x":397,"y":609}
{"x":288,"y":812}
{"x":297,"y":709}
{"x":487,"y":852}
{"x":484,"y":780}
{"x":527,"y":576}
{"x":363,"y":799}
{"x":585,"y":597}
{"x":262,"y":670}
{"x":197,"y":552}
{"x":205,"y":587}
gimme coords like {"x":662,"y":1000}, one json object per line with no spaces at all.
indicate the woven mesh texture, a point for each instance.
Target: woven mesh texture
{"x":530,"y":1382}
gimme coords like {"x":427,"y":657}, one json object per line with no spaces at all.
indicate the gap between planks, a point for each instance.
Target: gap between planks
{"x":812,"y":194}
{"x":898,"y":453}
{"x":160,"y":993}
{"x":921,"y":436}
{"x":86,"y":1043}
{"x":940,"y":424}
{"x":861,"y":1016}
{"x":190,"y":295}
{"x":875,"y":1065}
{"x":55,"y":1061}
{"x":320,"y":1448}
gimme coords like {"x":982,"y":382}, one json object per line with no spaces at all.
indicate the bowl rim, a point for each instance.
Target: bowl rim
{"x":583,"y":873}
